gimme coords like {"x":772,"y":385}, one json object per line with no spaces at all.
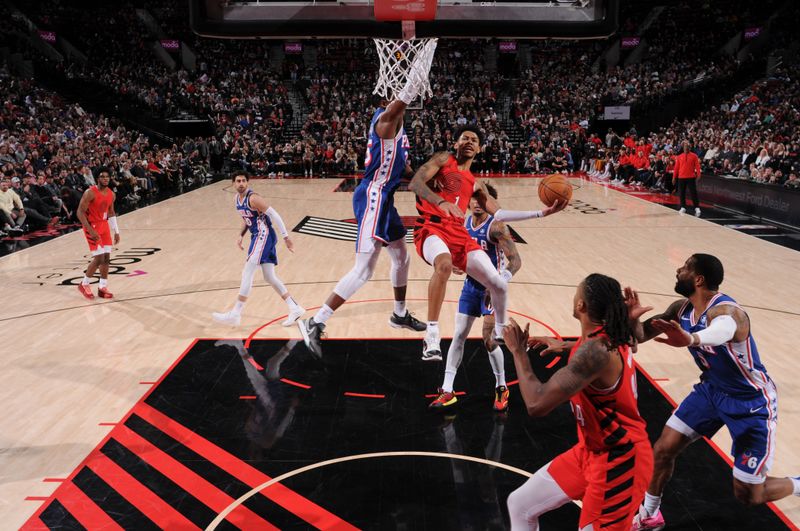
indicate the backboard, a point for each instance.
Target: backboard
{"x":280,"y":19}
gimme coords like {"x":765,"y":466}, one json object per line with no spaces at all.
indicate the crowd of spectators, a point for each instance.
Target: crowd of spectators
{"x":50,"y":152}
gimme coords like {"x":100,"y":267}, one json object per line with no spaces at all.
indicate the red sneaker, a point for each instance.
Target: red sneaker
{"x":501,"y":398}
{"x":444,"y":400}
{"x":86,"y":291}
{"x":103,"y":293}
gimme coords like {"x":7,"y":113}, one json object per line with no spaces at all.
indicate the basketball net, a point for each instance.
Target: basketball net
{"x":404,"y":67}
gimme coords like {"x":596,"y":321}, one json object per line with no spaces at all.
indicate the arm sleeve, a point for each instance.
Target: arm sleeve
{"x":278,"y":221}
{"x":517,"y":215}
{"x":719,"y":332}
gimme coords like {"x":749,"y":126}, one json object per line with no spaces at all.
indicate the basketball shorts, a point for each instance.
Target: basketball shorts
{"x":474,"y":301}
{"x":610,"y":484}
{"x":262,"y":247}
{"x":377,"y":218}
{"x":453,"y":234}
{"x":103,"y":245}
{"x":752,"y":423}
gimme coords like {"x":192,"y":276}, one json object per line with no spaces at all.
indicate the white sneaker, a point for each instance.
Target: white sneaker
{"x":682,"y":211}
{"x":697,"y":212}
{"x":230,"y":318}
{"x":293,"y":316}
{"x":431,"y":350}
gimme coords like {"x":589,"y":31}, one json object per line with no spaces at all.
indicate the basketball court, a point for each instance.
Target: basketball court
{"x":141,"y":411}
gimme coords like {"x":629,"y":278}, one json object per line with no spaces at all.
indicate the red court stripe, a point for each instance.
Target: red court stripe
{"x":255,"y":364}
{"x":83,"y":509}
{"x":208,"y":494}
{"x":280,"y":494}
{"x":153,"y":507}
{"x":296,"y":384}
{"x":247,"y":397}
{"x":363,"y":395}
{"x":553,"y":362}
{"x":512,"y":382}
{"x":147,"y":383}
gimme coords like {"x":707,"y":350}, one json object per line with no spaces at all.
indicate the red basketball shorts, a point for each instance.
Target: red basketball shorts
{"x":610,"y":484}
{"x":104,"y":244}
{"x":454,"y":236}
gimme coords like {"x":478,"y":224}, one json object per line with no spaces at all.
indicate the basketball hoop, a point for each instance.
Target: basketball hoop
{"x":404,"y":68}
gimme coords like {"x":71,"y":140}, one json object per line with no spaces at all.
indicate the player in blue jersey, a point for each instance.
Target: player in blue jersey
{"x":734,"y":389}
{"x":495,"y":239}
{"x":258,"y":218}
{"x":379,"y":224}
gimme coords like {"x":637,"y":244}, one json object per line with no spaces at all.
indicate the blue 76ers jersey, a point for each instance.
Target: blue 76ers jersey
{"x":733,"y":368}
{"x":480,"y":234}
{"x":386,"y":158}
{"x":254,"y":219}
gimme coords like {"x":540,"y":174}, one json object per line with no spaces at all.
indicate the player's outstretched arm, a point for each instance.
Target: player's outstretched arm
{"x":728,"y":323}
{"x":588,"y":362}
{"x":502,"y":237}
{"x":83,"y":207}
{"x":391,"y":119}
{"x":645,"y":331}
{"x":426,"y":172}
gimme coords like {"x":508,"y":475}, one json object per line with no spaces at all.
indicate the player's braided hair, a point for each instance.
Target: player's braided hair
{"x":606,"y":305}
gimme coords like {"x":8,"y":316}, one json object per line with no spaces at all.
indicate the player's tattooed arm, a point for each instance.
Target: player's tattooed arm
{"x":426,"y":172}
{"x":502,"y":237}
{"x":485,"y":200}
{"x":83,"y":208}
{"x":741,"y":318}
{"x":591,"y":358}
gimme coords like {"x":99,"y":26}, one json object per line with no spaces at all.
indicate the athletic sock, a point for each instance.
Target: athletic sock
{"x":433,"y":329}
{"x":323,"y":314}
{"x":651,"y":503}
{"x":796,"y":484}
{"x":85,"y":280}
{"x":400,"y":308}
{"x":237,"y":308}
{"x":291,"y":303}
{"x":103,"y":283}
{"x":498,"y":368}
{"x":449,"y":380}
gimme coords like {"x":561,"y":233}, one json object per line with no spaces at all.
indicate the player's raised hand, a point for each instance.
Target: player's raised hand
{"x":635,"y":308}
{"x":289,"y":243}
{"x":451,"y":210}
{"x":558,"y":206}
{"x":551,"y":344}
{"x":515,"y":337}
{"x":675,"y":335}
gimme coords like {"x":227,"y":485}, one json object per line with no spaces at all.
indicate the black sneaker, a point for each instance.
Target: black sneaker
{"x":408,"y":321}
{"x":312,"y":332}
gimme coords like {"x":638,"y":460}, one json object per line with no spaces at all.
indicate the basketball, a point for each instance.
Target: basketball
{"x":554,"y":188}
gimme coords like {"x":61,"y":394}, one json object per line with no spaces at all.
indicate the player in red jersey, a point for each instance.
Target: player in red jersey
{"x":610,"y":467}
{"x":96,"y":214}
{"x":444,"y":186}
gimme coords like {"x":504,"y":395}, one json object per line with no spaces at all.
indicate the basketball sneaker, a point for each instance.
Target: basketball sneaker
{"x":408,"y":321}
{"x":501,"y":398}
{"x":293,"y":316}
{"x":431,"y":350}
{"x":86,"y":291}
{"x":103,"y":293}
{"x":444,"y":400}
{"x":697,"y":212}
{"x":229,"y":318}
{"x":682,"y":211}
{"x":312,"y":331}
{"x":642,"y":522}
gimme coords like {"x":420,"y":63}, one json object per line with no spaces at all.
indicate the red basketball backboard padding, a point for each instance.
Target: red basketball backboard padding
{"x":388,"y":10}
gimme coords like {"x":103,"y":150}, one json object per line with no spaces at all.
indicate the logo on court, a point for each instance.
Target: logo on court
{"x":585,"y":208}
{"x":72,"y":272}
{"x":347,"y":229}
